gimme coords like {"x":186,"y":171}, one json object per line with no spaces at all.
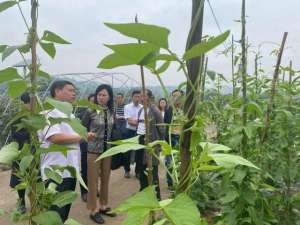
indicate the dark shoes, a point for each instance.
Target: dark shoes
{"x":127,"y":175}
{"x":22,"y":209}
{"x":97,"y":218}
{"x":107,"y":212}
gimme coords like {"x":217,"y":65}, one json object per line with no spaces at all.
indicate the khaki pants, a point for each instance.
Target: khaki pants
{"x":96,"y":170}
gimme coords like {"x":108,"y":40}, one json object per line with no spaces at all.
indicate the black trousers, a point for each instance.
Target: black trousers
{"x":68,"y":184}
{"x":126,"y":156}
{"x":144,"y":180}
{"x":143,"y":173}
{"x":83,"y":150}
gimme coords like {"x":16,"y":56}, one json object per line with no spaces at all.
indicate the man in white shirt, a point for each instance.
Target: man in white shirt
{"x":62,"y":134}
{"x":131,"y":111}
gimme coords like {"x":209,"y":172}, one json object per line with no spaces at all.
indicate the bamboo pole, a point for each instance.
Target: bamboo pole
{"x":273,"y":90}
{"x":193,"y":66}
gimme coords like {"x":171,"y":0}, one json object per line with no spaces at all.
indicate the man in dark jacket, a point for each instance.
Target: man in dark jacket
{"x":21,"y":136}
{"x":156,"y":132}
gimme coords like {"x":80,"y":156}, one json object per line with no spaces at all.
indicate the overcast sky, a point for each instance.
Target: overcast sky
{"x":81,"y":22}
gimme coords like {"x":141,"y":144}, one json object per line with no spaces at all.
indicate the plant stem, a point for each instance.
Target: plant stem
{"x":203,"y":80}
{"x":33,"y":74}
{"x":244,"y":77}
{"x":24,"y":19}
{"x":232,"y":68}
{"x":291,"y":73}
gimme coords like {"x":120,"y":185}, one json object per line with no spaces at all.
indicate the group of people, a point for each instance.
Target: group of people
{"x":114,"y":120}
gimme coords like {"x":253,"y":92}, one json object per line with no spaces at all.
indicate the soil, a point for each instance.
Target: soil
{"x":120,"y":189}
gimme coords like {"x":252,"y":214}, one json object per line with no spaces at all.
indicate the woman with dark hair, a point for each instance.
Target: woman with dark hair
{"x":162,"y":106}
{"x":100,"y":123}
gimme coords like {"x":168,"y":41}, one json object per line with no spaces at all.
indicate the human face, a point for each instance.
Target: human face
{"x":103,"y":97}
{"x":66,"y":94}
{"x":136,"y":98}
{"x":119,"y":99}
{"x":177,"y":99}
{"x":162,"y":104}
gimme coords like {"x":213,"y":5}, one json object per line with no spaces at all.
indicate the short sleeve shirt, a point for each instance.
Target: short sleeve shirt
{"x":57,"y":158}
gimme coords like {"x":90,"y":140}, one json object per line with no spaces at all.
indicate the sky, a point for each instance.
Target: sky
{"x":81,"y":23}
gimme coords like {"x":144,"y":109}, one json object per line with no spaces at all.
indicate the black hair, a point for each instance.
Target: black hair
{"x":119,"y":93}
{"x":149,"y":93}
{"x":90,"y":96}
{"x":108,"y":88}
{"x":25,"y":98}
{"x":162,"y":99}
{"x":177,"y":90}
{"x":135,"y":92}
{"x":59,"y":84}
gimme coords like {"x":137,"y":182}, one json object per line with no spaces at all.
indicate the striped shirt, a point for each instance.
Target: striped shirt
{"x":120,"y":112}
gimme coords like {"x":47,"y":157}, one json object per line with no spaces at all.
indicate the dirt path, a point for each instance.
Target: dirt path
{"x":121,"y":189}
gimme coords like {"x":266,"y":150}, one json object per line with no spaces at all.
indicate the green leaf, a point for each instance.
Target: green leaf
{"x":182,"y":211}
{"x":25,"y":163}
{"x":209,"y":168}
{"x":49,"y":48}
{"x":230,"y":196}
{"x":205,"y":46}
{"x":136,"y":216}
{"x":55,"y":148}
{"x":254,"y":107}
{"x":8,"y":51}
{"x":145,"y":199}
{"x":64,"y":198}
{"x":43,"y":74}
{"x":64,"y":107}
{"x":80,"y":180}
{"x":166,"y":148}
{"x":52,"y":175}
{"x":48,"y":218}
{"x":75,"y":173}
{"x":2,"y":48}
{"x":120,"y":149}
{"x":211,"y":74}
{"x":133,"y":140}
{"x":21,"y":186}
{"x":165,"y":57}
{"x":9,"y":153}
{"x":150,"y":33}
{"x":78,"y":128}
{"x":9,"y":74}
{"x":6,"y":4}
{"x":35,"y":122}
{"x":16,"y":88}
{"x":24,"y":48}
{"x":230,"y":161}
{"x":114,"y":60}
{"x":134,"y":52}
{"x":52,"y":37}
{"x":161,"y":222}
{"x":211,"y":147}
{"x":163,"y":67}
{"x":71,"y":221}
{"x":87,"y":104}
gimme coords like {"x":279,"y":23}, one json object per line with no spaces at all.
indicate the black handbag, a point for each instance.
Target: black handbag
{"x":116,"y":160}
